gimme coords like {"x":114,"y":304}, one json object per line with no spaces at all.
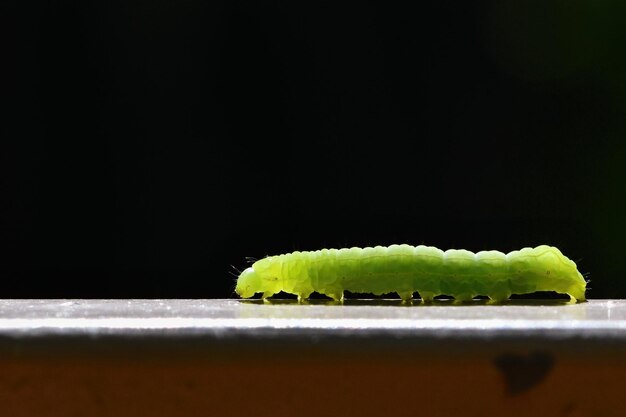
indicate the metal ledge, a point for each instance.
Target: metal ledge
{"x":440,"y":327}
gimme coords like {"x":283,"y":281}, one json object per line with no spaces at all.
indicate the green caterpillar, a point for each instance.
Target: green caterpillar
{"x":405,"y":269}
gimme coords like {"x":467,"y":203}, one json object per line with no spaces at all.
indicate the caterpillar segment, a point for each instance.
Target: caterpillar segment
{"x":406,"y":269}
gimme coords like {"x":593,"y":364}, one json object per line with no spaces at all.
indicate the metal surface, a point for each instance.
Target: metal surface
{"x":602,"y":320}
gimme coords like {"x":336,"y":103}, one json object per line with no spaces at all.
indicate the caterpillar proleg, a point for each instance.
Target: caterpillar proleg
{"x":405,"y":269}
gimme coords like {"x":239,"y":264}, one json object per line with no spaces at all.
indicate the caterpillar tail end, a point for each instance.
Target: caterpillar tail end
{"x":577,"y":295}
{"x":577,"y":290}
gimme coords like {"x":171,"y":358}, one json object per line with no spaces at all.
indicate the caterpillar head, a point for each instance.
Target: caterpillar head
{"x":248,"y":283}
{"x":262,"y":276}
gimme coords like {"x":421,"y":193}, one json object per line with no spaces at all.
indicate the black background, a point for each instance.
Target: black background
{"x":149,"y":147}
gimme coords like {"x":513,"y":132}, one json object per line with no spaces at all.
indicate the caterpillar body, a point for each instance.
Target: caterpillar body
{"x":405,"y":269}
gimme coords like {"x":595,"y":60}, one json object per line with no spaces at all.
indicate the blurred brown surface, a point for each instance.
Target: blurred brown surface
{"x":309,"y":386}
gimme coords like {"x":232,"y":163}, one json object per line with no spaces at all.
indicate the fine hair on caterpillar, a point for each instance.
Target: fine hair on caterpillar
{"x":406,"y":269}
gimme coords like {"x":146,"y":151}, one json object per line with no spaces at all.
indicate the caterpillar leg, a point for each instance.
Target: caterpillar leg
{"x":336,"y":296}
{"x":426,"y":296}
{"x":499,"y":297}
{"x":406,"y":296}
{"x":266,"y":295}
{"x":462,"y":298}
{"x":302,"y":297}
